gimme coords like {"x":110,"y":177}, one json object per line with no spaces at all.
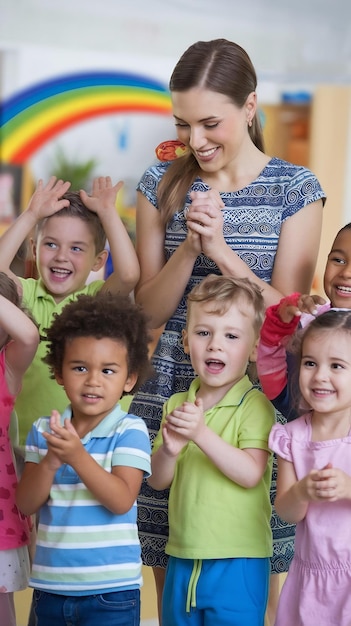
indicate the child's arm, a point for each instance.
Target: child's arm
{"x":280,"y":323}
{"x":34,"y":486}
{"x":45,"y":201}
{"x":117,"y":491}
{"x":25,"y":339}
{"x":243,"y":466}
{"x":125,"y":262}
{"x":291,"y":501}
{"x":163,"y":461}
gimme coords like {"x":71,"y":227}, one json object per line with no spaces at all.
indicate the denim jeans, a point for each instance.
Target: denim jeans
{"x":117,"y":608}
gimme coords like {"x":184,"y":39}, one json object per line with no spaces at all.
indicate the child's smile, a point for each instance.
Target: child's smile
{"x":65,"y":255}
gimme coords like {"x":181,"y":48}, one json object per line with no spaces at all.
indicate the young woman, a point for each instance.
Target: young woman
{"x":223,"y":207}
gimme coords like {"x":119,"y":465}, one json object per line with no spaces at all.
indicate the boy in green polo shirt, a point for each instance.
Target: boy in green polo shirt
{"x":212,"y":451}
{"x":69,"y":236}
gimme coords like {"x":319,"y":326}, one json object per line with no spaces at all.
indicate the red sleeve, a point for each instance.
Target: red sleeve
{"x":271,"y":353}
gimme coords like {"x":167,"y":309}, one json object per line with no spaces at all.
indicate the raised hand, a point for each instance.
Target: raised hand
{"x":47,"y":199}
{"x":308,"y":303}
{"x":296,"y":303}
{"x":103,"y":196}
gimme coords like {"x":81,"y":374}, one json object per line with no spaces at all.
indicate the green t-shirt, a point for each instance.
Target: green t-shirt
{"x":40,"y":393}
{"x":210,"y":516}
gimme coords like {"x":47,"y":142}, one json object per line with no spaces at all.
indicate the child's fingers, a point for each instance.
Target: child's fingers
{"x":287,"y":312}
{"x":118,"y":186}
{"x":308,"y":303}
{"x":55,"y":419}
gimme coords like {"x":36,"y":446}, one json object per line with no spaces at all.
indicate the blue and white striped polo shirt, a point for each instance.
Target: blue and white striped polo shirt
{"x":82,"y":547}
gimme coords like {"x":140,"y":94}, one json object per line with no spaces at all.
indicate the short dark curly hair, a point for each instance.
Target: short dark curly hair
{"x":104,"y":315}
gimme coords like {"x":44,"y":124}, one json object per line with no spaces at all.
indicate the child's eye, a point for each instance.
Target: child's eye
{"x":203,"y":333}
{"x":108,"y":371}
{"x":50,"y":244}
{"x":231,"y":336}
{"x":79,"y":368}
{"x":338,"y":260}
{"x":308,"y":363}
{"x":337,"y":366}
{"x":76,"y":249}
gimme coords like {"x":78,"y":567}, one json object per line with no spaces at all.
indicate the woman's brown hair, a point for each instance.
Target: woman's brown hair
{"x":221,"y":66}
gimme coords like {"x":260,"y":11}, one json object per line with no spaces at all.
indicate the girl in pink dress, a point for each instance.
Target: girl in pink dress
{"x":19,"y":339}
{"x":314,"y":473}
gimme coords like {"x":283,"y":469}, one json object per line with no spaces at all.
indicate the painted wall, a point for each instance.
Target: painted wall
{"x":294,"y":46}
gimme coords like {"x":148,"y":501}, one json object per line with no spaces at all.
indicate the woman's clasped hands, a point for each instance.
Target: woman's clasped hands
{"x":205,"y":221}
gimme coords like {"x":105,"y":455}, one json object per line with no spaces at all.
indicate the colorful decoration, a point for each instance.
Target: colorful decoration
{"x":170,"y":150}
{"x":34,"y":116}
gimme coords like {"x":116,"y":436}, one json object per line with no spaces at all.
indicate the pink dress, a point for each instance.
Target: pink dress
{"x":14,"y":527}
{"x":317,"y":591}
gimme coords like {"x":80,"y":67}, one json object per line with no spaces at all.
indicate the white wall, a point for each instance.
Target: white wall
{"x":287,"y":39}
{"x":294,"y":44}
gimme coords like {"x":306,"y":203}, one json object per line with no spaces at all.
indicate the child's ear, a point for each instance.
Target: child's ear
{"x":185,"y":341}
{"x":59,"y":378}
{"x":130,"y":382}
{"x":100,"y":260}
{"x":253,"y":355}
{"x":33,"y":246}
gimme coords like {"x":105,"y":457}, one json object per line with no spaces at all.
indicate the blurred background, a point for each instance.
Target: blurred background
{"x":83,"y":87}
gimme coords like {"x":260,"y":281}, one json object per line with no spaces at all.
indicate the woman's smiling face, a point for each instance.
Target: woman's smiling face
{"x":211,"y":125}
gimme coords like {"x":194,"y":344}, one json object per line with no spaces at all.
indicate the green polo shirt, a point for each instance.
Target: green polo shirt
{"x":40,"y":393}
{"x":210,"y":516}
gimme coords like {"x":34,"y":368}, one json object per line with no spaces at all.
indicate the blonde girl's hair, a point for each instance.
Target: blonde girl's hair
{"x":221,"y":66}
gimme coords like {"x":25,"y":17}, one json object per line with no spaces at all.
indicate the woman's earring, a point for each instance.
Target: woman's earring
{"x":249,"y":122}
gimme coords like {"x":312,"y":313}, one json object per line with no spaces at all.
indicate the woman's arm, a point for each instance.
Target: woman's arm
{"x":298,"y":246}
{"x":296,"y":255}
{"x":161,"y":285}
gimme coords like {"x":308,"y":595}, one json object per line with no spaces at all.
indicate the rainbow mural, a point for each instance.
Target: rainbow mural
{"x":33,"y":116}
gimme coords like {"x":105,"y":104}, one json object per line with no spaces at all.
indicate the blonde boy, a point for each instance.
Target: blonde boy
{"x":212,"y":451}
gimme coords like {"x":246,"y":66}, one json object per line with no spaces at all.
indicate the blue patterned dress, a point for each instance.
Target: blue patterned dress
{"x":252,"y":221}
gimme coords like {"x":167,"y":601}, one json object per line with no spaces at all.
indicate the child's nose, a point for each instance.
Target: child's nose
{"x":92,"y":378}
{"x":214,"y":343}
{"x":61,"y":253}
{"x":321,"y":373}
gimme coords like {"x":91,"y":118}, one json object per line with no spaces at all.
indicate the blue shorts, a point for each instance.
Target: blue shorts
{"x":215,"y":592}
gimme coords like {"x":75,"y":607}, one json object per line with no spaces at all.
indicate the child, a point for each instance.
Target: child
{"x":84,"y":469}
{"x":19,"y":339}
{"x":299,"y":309}
{"x":314,"y":478}
{"x":70,"y":231}
{"x":212,"y":450}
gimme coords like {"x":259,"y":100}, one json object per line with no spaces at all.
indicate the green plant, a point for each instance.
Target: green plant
{"x":78,"y":173}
